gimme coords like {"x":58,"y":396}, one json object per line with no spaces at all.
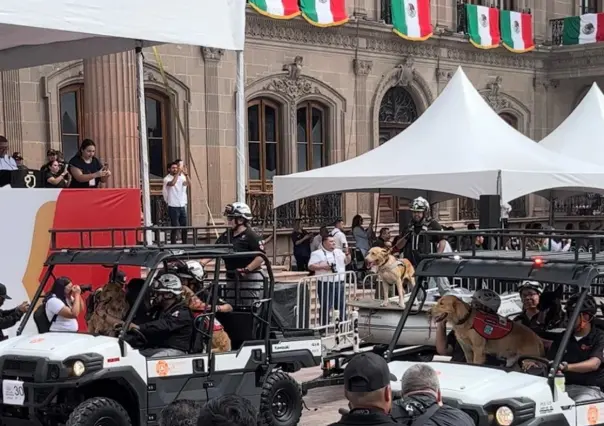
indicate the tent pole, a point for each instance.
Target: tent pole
{"x":552,"y":200}
{"x":240,"y":127}
{"x":142,"y":137}
{"x":274,"y":236}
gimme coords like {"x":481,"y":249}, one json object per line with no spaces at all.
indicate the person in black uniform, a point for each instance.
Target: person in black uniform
{"x":9,"y":317}
{"x":367,"y":389}
{"x":246,"y":269}
{"x":169,"y":332}
{"x":583,"y":360}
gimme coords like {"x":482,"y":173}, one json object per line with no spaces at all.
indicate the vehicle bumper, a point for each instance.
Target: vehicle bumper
{"x":551,"y":420}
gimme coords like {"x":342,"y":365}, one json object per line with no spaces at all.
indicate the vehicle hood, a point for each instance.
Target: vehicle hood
{"x":475,"y":384}
{"x":58,"y":346}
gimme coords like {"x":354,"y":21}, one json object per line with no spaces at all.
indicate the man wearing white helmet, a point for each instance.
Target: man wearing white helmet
{"x":169,"y":332}
{"x":446,"y":344}
{"x":531,"y":316}
{"x":245,"y":269}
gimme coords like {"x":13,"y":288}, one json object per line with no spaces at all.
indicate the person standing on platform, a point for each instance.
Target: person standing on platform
{"x":175,"y":195}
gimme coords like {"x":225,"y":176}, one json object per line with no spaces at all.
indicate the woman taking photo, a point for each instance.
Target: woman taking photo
{"x":361,"y":235}
{"x":54,"y":177}
{"x":63,"y":305}
{"x":86,"y":168}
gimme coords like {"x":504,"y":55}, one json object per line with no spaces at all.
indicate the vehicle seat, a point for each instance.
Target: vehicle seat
{"x":197,"y":343}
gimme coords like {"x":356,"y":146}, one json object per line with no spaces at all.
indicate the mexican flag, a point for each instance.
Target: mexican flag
{"x":517,"y":31}
{"x":483,"y":26}
{"x":588,"y":28}
{"x":411,"y":19}
{"x":324,"y":13}
{"x":278,"y":9}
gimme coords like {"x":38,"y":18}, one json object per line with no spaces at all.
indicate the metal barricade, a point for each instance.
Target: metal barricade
{"x":322,"y":304}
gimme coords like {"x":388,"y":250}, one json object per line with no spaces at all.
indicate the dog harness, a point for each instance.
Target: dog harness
{"x":491,"y":326}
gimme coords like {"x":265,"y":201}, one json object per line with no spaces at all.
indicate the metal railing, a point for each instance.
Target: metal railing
{"x":462,"y":19}
{"x":590,"y":204}
{"x":312,"y":211}
{"x":557,"y":30}
{"x":159,"y":211}
{"x":469,"y":210}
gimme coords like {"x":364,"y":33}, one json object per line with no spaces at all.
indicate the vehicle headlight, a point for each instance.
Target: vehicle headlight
{"x":79,"y":368}
{"x":504,"y":416}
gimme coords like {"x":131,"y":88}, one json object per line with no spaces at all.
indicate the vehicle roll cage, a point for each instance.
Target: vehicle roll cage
{"x":154,"y":257}
{"x":574,"y":268}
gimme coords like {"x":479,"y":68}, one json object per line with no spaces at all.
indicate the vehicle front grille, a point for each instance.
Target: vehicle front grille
{"x":473,"y":414}
{"x":15,"y":367}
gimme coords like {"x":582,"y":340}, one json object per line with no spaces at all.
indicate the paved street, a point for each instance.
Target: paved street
{"x":323,"y":403}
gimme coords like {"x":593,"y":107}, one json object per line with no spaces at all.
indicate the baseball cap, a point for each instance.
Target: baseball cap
{"x":367,"y":372}
{"x":3,"y":292}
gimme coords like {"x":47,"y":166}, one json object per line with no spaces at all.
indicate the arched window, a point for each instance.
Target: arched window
{"x":71,"y":104}
{"x":510,"y":119}
{"x":310,"y":142}
{"x":157,"y":107}
{"x":263,"y":136}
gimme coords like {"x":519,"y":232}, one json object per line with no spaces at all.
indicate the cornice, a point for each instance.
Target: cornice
{"x":378,"y":38}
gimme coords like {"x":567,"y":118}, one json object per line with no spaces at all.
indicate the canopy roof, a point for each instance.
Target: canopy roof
{"x":36,"y":32}
{"x":458,"y":147}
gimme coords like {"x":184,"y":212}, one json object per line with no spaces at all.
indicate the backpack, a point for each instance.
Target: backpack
{"x":41,"y":319}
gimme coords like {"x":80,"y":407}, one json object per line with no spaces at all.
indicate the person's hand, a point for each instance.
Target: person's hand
{"x":528,"y":364}
{"x":77,"y":290}
{"x":65,"y":173}
{"x":133,"y":326}
{"x":97,"y":174}
{"x":563,"y":367}
{"x":184,"y":170}
{"x":23,"y":307}
{"x":105,"y":173}
{"x":441,"y":325}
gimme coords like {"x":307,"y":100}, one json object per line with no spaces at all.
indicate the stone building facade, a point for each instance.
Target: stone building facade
{"x":315,"y":96}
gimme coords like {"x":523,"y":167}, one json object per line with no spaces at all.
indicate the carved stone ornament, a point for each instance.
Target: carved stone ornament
{"x":291,"y":89}
{"x":405,"y":72}
{"x":149,"y":76}
{"x":362,"y":67}
{"x":545,"y":83}
{"x":294,"y":70}
{"x":211,"y":53}
{"x":493,"y":97}
{"x":444,"y":75}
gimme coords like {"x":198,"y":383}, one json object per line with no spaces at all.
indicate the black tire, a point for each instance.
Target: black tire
{"x":280,"y":400}
{"x":99,"y":411}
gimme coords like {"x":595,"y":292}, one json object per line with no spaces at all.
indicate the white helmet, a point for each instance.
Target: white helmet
{"x":167,"y":283}
{"x":238,"y":209}
{"x":195,"y":269}
{"x":533,"y":285}
{"x":420,"y":204}
{"x":487,"y":298}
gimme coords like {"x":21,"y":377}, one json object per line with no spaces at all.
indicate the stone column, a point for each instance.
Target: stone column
{"x":111,"y":115}
{"x":11,"y":100}
{"x":211,"y":57}
{"x":362,"y":68}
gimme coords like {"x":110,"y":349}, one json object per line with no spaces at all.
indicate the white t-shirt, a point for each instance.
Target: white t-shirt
{"x":315,"y":244}
{"x":336,"y":257}
{"x":340,"y":238}
{"x":175,"y":196}
{"x":8,"y":163}
{"x":53,"y":307}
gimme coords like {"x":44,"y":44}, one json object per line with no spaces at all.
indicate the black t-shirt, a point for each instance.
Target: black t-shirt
{"x":410,"y":408}
{"x":48,"y":174}
{"x":365,"y":416}
{"x":302,"y":249}
{"x":416,"y":243}
{"x":87,"y":169}
{"x":459,"y":356}
{"x":247,"y":241}
{"x":171,"y":329}
{"x":379,"y":242}
{"x":590,"y":346}
{"x":535,"y":322}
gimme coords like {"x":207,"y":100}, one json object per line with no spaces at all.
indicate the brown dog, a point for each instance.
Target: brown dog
{"x":480,"y":333}
{"x":110,"y":308}
{"x":221,"y":342}
{"x":392,"y":272}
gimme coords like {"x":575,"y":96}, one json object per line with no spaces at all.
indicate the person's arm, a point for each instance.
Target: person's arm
{"x":316,"y":262}
{"x":171,"y":180}
{"x":186,"y":181}
{"x":347,"y":257}
{"x":256,"y":244}
{"x":12,"y":316}
{"x":80,"y":176}
{"x":592,"y":363}
{"x":57,"y":307}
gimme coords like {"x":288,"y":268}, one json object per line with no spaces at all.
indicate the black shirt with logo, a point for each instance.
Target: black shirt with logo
{"x":590,"y":346}
{"x":366,"y":416}
{"x":87,"y":169}
{"x":247,"y":241}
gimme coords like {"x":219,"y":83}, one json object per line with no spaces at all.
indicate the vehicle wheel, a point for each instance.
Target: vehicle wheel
{"x":99,"y":411}
{"x":280,"y":401}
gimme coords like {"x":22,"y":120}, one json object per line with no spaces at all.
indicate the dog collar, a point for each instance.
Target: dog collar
{"x":465,"y":318}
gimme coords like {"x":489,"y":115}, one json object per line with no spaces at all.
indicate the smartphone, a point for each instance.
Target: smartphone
{"x":105,"y":166}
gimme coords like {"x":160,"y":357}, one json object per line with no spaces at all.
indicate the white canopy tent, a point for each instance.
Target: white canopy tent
{"x":458,"y":147}
{"x":36,"y":32}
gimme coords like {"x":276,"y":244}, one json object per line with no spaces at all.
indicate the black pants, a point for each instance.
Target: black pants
{"x":302,"y":262}
{"x":178,"y":217}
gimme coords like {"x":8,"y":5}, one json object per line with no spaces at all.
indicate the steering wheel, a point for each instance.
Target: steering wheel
{"x":542,"y":368}
{"x":133,"y":331}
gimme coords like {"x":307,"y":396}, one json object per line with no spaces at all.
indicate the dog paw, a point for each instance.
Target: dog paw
{"x":385,"y":303}
{"x":401,"y":304}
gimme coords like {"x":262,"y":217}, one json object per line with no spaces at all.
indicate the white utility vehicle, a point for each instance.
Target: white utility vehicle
{"x":80,"y":379}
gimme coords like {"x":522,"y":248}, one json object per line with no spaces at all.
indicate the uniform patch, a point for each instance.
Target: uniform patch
{"x":492,"y":326}
{"x":176,"y":314}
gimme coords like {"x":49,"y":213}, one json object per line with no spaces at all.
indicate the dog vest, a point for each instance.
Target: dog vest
{"x":217,"y":325}
{"x":491,"y":326}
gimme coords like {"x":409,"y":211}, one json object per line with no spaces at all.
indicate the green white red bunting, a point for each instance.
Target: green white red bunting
{"x":324,"y":13}
{"x":278,"y":9}
{"x":584,"y":29}
{"x":517,"y":31}
{"x":411,"y":19}
{"x":483,"y":26}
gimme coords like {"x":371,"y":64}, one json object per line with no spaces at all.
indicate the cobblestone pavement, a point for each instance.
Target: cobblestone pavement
{"x":323,"y":403}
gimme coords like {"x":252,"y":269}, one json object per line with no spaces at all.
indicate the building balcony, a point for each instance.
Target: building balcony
{"x":312,"y":211}
{"x":462,"y":20}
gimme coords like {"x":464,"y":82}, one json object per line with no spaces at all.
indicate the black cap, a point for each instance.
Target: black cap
{"x":3,"y":292}
{"x":120,"y":277}
{"x":367,"y":372}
